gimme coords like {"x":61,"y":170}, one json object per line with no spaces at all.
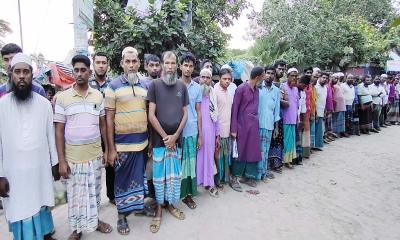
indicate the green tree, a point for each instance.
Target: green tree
{"x":331,"y":34}
{"x":163,"y":30}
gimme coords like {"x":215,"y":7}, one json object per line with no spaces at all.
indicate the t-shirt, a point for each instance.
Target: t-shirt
{"x":169,"y":101}
{"x":81,"y":115}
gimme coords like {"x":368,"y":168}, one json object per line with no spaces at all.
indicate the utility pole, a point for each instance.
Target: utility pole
{"x":20,"y":25}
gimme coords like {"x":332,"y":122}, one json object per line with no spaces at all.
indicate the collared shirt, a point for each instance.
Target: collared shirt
{"x":290,"y":114}
{"x":349,"y":93}
{"x":268,"y":106}
{"x":376,"y":93}
{"x":195,"y":96}
{"x":322,"y":93}
{"x":94,"y":84}
{"x":81,"y":115}
{"x":224,"y":104}
{"x":129,"y":103}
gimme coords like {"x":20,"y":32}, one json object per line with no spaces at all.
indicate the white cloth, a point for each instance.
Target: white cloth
{"x":385,"y":90}
{"x":21,"y":58}
{"x":322,"y":93}
{"x":302,"y":103}
{"x":27,"y":153}
{"x":376,"y":93}
{"x":231,"y":89}
{"x":349,"y":93}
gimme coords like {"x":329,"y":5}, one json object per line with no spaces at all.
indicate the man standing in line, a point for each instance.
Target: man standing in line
{"x":349,"y":95}
{"x":377,"y":92}
{"x":224,"y":103}
{"x":338,"y":115}
{"x":27,"y":155}
{"x":126,"y":112}
{"x":245,"y":129}
{"x":192,"y":137}
{"x":80,"y":126}
{"x":268,"y":117}
{"x":290,"y":118}
{"x":152,"y":65}
{"x":168,"y":101}
{"x":321,"y":96}
{"x":100,"y":82}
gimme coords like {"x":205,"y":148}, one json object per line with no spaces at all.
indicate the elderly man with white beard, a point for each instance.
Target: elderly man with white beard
{"x":127,"y":137}
{"x":168,"y":112}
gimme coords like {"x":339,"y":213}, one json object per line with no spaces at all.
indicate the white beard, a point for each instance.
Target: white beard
{"x":170,"y":79}
{"x":133,"y":78}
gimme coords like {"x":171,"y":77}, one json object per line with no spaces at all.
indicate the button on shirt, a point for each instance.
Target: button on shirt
{"x":81,"y":115}
{"x":224,"y":104}
{"x":129,"y":103}
{"x":268,"y":106}
{"x":94,"y":84}
{"x":195,"y":96}
{"x":322,"y":93}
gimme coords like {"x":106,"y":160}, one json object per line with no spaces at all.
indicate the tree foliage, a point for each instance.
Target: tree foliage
{"x":331,"y":34}
{"x":163,"y":30}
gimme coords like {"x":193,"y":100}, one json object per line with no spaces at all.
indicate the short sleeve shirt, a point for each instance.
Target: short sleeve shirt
{"x":81,"y":115}
{"x":129,"y":103}
{"x":195,"y":96}
{"x":169,"y":101}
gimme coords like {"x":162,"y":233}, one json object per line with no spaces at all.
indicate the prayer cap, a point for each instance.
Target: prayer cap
{"x":129,"y":50}
{"x":205,"y":71}
{"x":21,"y":58}
{"x":340,"y":74}
{"x":226,"y":66}
{"x":316,"y":69}
{"x":384,"y":76}
{"x":292,"y":70}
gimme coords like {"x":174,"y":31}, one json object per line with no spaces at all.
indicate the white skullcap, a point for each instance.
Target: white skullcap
{"x":21,"y":58}
{"x":384,"y":76}
{"x":316,"y":70}
{"x":292,"y":70}
{"x":226,"y":66}
{"x":129,"y":50}
{"x":205,"y":71}
{"x":340,"y":74}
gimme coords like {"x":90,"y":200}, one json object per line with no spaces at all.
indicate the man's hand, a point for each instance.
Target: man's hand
{"x":199,"y":142}
{"x":276,"y":133}
{"x":4,"y":187}
{"x":64,"y":169}
{"x":234,"y":135}
{"x":169,"y":141}
{"x":112,"y":157}
{"x":217,"y":142}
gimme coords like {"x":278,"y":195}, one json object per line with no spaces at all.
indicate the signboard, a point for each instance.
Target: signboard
{"x":393,"y":66}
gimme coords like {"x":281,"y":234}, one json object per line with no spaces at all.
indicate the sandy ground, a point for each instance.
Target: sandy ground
{"x":351,"y":190}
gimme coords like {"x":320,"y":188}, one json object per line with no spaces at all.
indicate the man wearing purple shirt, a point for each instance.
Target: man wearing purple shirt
{"x":329,"y":136}
{"x":290,"y":118}
{"x":7,"y":53}
{"x":244,"y":128}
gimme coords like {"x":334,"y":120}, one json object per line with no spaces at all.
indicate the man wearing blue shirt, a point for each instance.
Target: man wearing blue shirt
{"x":191,"y":134}
{"x":268,"y":117}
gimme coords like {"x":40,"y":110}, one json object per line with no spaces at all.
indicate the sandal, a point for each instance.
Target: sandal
{"x":122,"y":226}
{"x":177,"y":213}
{"x":250,"y":182}
{"x":213,"y":192}
{"x":155,"y":224}
{"x":75,"y":236}
{"x":147,"y":211}
{"x":235,"y":185}
{"x":189,"y":202}
{"x":104,"y":227}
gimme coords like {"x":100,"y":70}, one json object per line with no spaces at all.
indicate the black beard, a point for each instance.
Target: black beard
{"x":100,"y":75}
{"x":22,"y":94}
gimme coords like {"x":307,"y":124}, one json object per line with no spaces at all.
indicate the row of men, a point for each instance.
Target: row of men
{"x":194,"y":129}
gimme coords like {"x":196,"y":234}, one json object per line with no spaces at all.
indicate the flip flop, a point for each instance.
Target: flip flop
{"x":189,"y":202}
{"x":235,"y":185}
{"x":213,"y":192}
{"x":75,"y":236}
{"x":147,"y":211}
{"x":122,"y":224}
{"x":155,"y":224}
{"x":104,"y":227}
{"x":177,"y":213}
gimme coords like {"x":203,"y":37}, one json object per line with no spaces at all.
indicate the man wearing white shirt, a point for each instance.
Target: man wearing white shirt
{"x":349,"y":95}
{"x":376,"y":92}
{"x":322,"y":93}
{"x":385,"y":100}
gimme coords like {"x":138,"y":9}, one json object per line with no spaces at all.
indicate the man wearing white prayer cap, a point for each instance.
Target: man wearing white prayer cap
{"x":8,"y":52}
{"x":27,"y":155}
